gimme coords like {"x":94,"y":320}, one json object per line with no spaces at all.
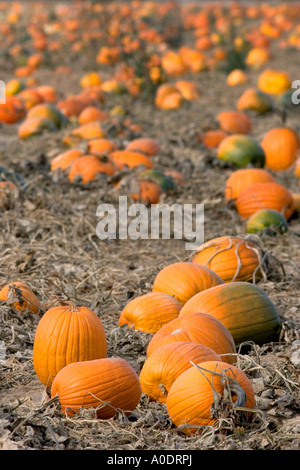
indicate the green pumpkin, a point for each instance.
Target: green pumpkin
{"x":241,"y":151}
{"x":164,"y":181}
{"x":266,"y":218}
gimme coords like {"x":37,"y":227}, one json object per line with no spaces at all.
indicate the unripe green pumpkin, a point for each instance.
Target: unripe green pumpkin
{"x":241,"y":151}
{"x":266,"y":218}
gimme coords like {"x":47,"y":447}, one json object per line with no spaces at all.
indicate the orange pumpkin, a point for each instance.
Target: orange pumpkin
{"x":90,"y":114}
{"x":257,"y":57}
{"x":168,"y":97}
{"x":130,"y":159}
{"x":34,"y":126}
{"x":145,"y":145}
{"x":281,"y":146}
{"x":190,"y":401}
{"x":231,"y":258}
{"x":66,"y":334}
{"x":234,"y":122}
{"x":237,"y":77}
{"x":243,"y":308}
{"x":12,"y":111}
{"x":166,"y":363}
{"x":244,"y":177}
{"x":265,"y":196}
{"x":48,"y":111}
{"x":90,"y":130}
{"x":188,"y":90}
{"x":213,"y":138}
{"x":198,"y":328}
{"x":20,"y":295}
{"x":86,"y":168}
{"x":64,"y":159}
{"x":101,"y":145}
{"x":107,"y":385}
{"x":274,"y":82}
{"x":149,"y":192}
{"x":149,"y":312}
{"x":255,"y":100}
{"x":182,"y":280}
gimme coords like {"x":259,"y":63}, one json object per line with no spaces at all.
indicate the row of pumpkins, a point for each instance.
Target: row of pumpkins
{"x":197,"y":314}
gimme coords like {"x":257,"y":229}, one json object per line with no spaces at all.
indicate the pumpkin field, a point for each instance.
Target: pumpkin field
{"x":135,"y":343}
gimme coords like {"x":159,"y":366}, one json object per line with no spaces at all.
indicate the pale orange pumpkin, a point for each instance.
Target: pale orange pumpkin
{"x":190,"y":401}
{"x":231,"y":258}
{"x":199,"y":328}
{"x":182,"y":280}
{"x":149,"y":312}
{"x":166,"y":363}
{"x":107,"y":385}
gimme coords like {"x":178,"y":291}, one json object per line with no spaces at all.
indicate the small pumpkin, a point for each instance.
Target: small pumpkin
{"x":241,"y":151}
{"x":244,"y":177}
{"x":231,"y":258}
{"x":107,"y":385}
{"x":64,"y":159}
{"x":234,"y":122}
{"x":90,"y":114}
{"x":243,"y":308}
{"x":182,"y":280}
{"x":13,"y":110}
{"x":255,"y":100}
{"x":146,"y":145}
{"x":266,"y":218}
{"x":274,"y":82}
{"x":147,"y":191}
{"x":162,"y":368}
{"x":87,"y":167}
{"x":149,"y":312}
{"x":35,"y":126}
{"x":257,"y":57}
{"x":48,"y":111}
{"x":130,"y":159}
{"x":198,"y":328}
{"x":213,"y":138}
{"x":237,"y":77}
{"x":191,"y":398}
{"x":281,"y":146}
{"x":65,"y":334}
{"x":265,"y":196}
{"x":20,"y":295}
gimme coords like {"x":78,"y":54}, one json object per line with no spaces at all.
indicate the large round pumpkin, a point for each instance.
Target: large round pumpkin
{"x":244,"y":309}
{"x":183,"y":280}
{"x":107,"y":385}
{"x":241,"y":151}
{"x":281,"y":146}
{"x":265,"y":196}
{"x":231,"y":258}
{"x":196,"y":328}
{"x":149,"y":312}
{"x":244,"y":177}
{"x":66,"y":334}
{"x":162,"y":368}
{"x":191,"y":401}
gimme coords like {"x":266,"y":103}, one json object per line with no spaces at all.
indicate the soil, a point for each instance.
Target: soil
{"x":48,"y":239}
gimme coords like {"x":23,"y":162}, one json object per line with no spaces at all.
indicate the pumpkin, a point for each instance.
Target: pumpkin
{"x":48,"y":111}
{"x":168,"y":97}
{"x":196,"y":328}
{"x":71,"y":106}
{"x":182,"y":280}
{"x":231,"y":258}
{"x":101,"y":145}
{"x":257,"y":57}
{"x":297,"y":167}
{"x":90,"y":79}
{"x":234,"y":122}
{"x":64,"y":159}
{"x":173,"y":64}
{"x":90,"y":114}
{"x":296,"y":198}
{"x":188,"y":90}
{"x":65,"y":334}
{"x":255,"y":100}
{"x":20,"y":295}
{"x":87,"y":167}
{"x":161,"y":178}
{"x":265,"y":196}
{"x":266,"y":218}
{"x":274,"y":82}
{"x":48,"y":93}
{"x":243,"y":308}
{"x":107,"y":385}
{"x":166,"y":363}
{"x":244,"y":177}
{"x":149,"y":312}
{"x":148,"y":192}
{"x":90,"y":130}
{"x":193,"y":399}
{"x":14,"y":87}
{"x":35,"y":126}
{"x":130,"y":159}
{"x":281,"y":146}
{"x":145,"y":145}
{"x":237,"y":77}
{"x":12,"y":111}
{"x":241,"y":151}
{"x":213,"y":138}
{"x":30,"y":98}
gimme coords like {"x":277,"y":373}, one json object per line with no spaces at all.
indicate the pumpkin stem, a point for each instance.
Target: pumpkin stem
{"x":163,"y":389}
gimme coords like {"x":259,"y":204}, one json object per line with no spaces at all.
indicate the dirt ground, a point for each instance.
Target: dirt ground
{"x":48,"y":238}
